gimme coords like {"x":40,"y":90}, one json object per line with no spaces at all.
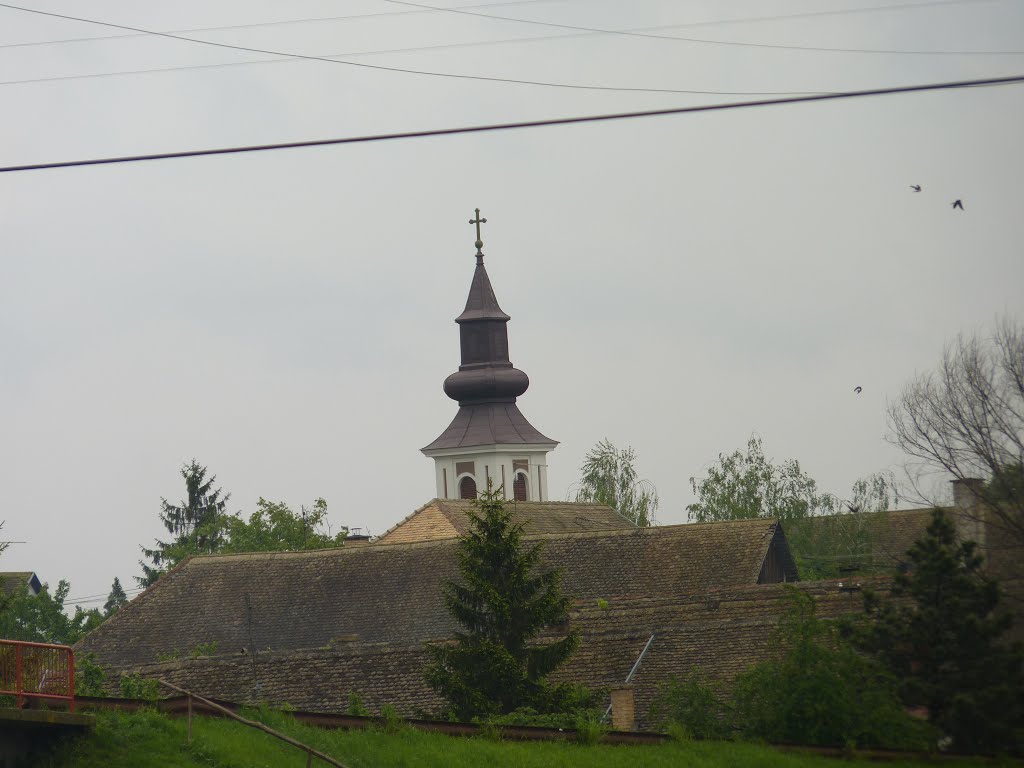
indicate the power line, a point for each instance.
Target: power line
{"x":283,"y":56}
{"x":99,"y":597}
{"x":431,"y":9}
{"x":1012,"y":79}
{"x":709,"y":42}
{"x":403,"y":70}
{"x":283,"y":22}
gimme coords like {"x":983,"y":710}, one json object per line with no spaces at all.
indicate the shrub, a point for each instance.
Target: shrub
{"x":203,"y":649}
{"x":88,"y":676}
{"x":391,"y":721}
{"x":689,"y":708}
{"x":356,"y":708}
{"x":137,"y":687}
{"x":590,"y":728}
{"x":819,"y":690}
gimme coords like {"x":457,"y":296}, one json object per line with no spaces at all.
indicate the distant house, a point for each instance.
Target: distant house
{"x":11,"y":581}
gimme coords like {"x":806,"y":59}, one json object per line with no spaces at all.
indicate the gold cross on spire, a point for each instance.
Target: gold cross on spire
{"x":479,"y":243}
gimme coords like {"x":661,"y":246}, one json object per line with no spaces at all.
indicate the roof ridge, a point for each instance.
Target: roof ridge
{"x":410,"y":516}
{"x":546,"y":503}
{"x":379,"y":545}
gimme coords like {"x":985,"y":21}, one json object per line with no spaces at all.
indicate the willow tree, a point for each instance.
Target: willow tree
{"x":609,"y":477}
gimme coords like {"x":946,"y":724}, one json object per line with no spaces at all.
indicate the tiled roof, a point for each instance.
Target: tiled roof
{"x":489,"y":424}
{"x":888,"y":535}
{"x":719,"y":632}
{"x":392,"y":592}
{"x":12,"y":580}
{"x":447,"y":518}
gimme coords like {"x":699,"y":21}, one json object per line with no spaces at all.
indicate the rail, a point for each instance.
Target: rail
{"x":37,"y":671}
{"x":310,"y":752}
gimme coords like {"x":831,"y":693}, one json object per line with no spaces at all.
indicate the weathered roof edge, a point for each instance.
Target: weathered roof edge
{"x":409,"y":517}
{"x":379,"y":545}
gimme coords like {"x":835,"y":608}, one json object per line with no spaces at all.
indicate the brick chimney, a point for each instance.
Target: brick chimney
{"x":623,"y":709}
{"x":968,"y":510}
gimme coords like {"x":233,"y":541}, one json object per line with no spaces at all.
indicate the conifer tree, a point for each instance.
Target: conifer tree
{"x":495,"y":666}
{"x":115,"y":599}
{"x":941,"y":633}
{"x":196,"y":524}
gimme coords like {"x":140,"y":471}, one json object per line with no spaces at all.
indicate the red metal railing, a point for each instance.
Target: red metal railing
{"x":37,"y":671}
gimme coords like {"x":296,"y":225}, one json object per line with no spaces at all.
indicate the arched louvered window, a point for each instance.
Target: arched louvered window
{"x":467,"y":488}
{"x":519,"y":490}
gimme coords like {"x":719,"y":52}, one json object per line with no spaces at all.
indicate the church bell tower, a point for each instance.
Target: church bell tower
{"x":489,"y":439}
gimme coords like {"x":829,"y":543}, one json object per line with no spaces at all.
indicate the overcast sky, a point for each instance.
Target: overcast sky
{"x":675,"y":283}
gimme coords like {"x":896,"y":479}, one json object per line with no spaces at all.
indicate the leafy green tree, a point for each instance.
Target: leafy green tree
{"x":744,"y":485}
{"x":273,"y":527}
{"x":940,"y":632}
{"x":609,"y":477}
{"x":195,"y":526}
{"x":42,"y":618}
{"x":495,"y":665}
{"x":817,"y":689}
{"x":115,"y":599}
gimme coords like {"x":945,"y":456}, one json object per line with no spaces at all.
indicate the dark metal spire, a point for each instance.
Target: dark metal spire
{"x":486,"y":385}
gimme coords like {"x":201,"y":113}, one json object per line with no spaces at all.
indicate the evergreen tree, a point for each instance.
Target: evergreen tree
{"x":196,"y":525}
{"x":494,"y":666}
{"x":115,"y":599}
{"x":940,"y":633}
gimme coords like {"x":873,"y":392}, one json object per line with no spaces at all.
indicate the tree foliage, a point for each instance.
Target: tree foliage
{"x":609,"y":477}
{"x":273,"y":527}
{"x":819,"y":690}
{"x":495,"y":665}
{"x":965,"y":419}
{"x":744,"y":485}
{"x":690,"y":707}
{"x":42,"y":618}
{"x":115,"y":599}
{"x":940,"y":632}
{"x":196,"y":524}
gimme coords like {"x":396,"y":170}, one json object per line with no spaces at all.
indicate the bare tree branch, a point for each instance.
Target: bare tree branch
{"x":966,"y":420}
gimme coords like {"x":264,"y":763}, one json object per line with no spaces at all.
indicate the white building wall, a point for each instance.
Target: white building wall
{"x":495,"y":462}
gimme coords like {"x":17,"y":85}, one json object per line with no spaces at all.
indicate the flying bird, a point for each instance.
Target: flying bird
{"x":957,"y":204}
{"x":916,"y":187}
{"x":857,"y":389}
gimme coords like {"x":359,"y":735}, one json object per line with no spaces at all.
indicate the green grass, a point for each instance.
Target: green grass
{"x":152,"y":740}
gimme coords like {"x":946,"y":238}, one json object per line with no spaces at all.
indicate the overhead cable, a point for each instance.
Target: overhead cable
{"x":703,"y":41}
{"x":580,"y":33}
{"x":403,"y":70}
{"x":307,"y":20}
{"x":988,"y":82}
